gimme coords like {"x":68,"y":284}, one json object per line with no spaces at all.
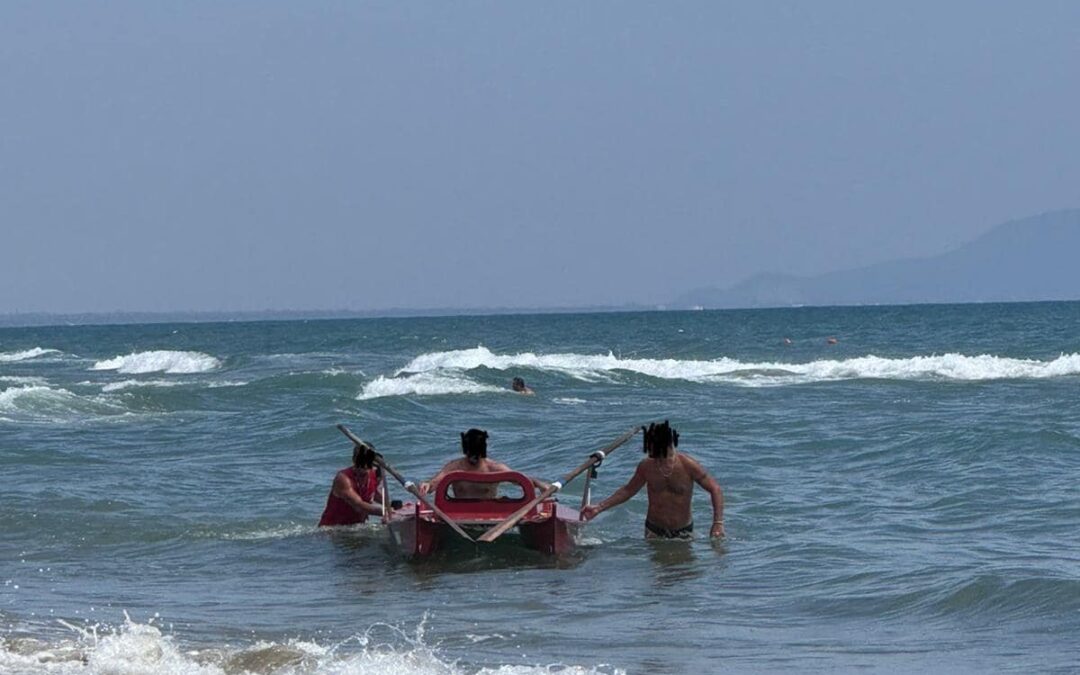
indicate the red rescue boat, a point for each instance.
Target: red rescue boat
{"x":419,"y":528}
{"x":548,"y":526}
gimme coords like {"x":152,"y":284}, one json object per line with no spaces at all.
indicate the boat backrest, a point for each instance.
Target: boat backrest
{"x":447,"y":497}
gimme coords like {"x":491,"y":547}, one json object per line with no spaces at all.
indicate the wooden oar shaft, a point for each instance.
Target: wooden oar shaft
{"x":408,"y":485}
{"x":498,"y":530}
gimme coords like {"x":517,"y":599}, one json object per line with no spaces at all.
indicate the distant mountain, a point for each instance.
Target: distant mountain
{"x":1030,"y":259}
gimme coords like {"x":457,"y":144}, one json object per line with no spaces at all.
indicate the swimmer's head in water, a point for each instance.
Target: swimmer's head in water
{"x":518,"y":384}
{"x":474,"y":444}
{"x":658,"y":438}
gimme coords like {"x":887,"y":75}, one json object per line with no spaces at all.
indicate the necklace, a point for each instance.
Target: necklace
{"x":668,"y":462}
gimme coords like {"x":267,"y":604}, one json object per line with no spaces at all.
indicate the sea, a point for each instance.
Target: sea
{"x":901,"y":489}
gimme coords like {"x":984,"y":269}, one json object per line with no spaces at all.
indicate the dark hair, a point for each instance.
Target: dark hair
{"x":658,"y":438}
{"x":474,"y":443}
{"x":518,"y":382}
{"x":363,"y":456}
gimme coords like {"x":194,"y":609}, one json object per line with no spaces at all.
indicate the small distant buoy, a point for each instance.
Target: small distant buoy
{"x":831,"y":340}
{"x":787,"y":341}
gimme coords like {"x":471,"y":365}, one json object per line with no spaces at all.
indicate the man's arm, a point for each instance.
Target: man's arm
{"x":632,"y":487}
{"x":343,"y":489}
{"x":709,"y":484}
{"x":429,"y":485}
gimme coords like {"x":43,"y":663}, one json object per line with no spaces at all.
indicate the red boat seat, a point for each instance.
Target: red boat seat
{"x":483,"y":508}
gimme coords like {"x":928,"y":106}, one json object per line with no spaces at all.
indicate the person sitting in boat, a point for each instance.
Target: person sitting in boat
{"x":474,"y":447}
{"x":518,"y":385}
{"x":670,"y":476}
{"x":355,"y":493}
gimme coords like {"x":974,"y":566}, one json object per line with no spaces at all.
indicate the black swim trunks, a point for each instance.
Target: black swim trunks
{"x":686,"y":532}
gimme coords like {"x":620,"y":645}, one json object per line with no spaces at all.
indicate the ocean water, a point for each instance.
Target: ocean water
{"x":905,"y":499}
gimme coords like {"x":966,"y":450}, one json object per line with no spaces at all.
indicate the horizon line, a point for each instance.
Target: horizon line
{"x":135,"y":317}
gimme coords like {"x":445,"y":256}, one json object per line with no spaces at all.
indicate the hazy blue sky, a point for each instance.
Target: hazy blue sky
{"x":253,"y":155}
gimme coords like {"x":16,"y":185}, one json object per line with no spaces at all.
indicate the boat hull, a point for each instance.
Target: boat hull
{"x":556,"y":530}
{"x":548,"y":527}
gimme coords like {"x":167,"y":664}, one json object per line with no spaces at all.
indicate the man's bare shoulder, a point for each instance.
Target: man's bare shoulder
{"x":342,"y":482}
{"x":689,"y":462}
{"x":692,"y":466}
{"x":646,"y":467}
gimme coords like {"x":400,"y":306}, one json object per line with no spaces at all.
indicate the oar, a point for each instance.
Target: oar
{"x":407,"y":484}
{"x":595,"y":458}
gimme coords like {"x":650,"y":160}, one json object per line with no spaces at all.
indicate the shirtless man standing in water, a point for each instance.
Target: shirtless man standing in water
{"x":670,"y":476}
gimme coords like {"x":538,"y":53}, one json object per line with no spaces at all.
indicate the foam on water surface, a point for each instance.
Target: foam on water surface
{"x":957,"y":367}
{"x":425,"y":384}
{"x":20,"y":379}
{"x":48,"y":403}
{"x":128,"y":384}
{"x":12,"y":357}
{"x":160,"y":361}
{"x":144,"y":648}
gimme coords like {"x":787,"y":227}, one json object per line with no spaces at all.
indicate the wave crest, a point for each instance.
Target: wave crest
{"x":423,"y":384}
{"x":11,"y":357}
{"x":41,"y":402}
{"x":160,"y":361}
{"x":957,"y":367}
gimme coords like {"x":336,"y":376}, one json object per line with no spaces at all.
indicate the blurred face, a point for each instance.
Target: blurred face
{"x":656,"y":450}
{"x":363,"y":459}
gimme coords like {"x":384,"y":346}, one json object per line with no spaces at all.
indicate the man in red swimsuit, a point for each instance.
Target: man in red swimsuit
{"x":355,"y":493}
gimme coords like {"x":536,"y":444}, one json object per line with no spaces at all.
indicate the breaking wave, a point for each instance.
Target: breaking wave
{"x":160,"y":361}
{"x":146,"y":648}
{"x":424,"y":384}
{"x":585,"y":366}
{"x":11,"y":357}
{"x":40,"y":402}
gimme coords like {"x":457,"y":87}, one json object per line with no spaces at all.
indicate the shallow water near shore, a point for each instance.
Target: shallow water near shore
{"x":904,"y":499}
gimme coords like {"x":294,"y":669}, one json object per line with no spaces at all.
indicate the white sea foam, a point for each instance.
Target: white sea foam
{"x":342,"y":371}
{"x":160,"y":361}
{"x":41,"y":402}
{"x":577,"y":365}
{"x":19,"y":379}
{"x":424,"y":384}
{"x":275,"y":532}
{"x":128,"y":384}
{"x":227,"y":383}
{"x":11,"y":357}
{"x":584,"y":366}
{"x":144,"y":648}
{"x":570,"y":400}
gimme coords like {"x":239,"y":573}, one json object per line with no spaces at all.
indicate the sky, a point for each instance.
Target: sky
{"x":249,"y":156}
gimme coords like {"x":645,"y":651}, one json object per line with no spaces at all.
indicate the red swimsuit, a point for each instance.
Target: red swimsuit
{"x":340,"y":512}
